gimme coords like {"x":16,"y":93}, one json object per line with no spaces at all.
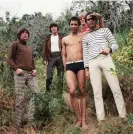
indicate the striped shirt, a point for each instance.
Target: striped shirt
{"x":96,"y":41}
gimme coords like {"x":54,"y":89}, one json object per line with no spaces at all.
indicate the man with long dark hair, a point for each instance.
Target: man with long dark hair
{"x":52,"y":55}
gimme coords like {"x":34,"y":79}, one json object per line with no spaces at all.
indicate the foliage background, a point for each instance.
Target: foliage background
{"x":53,"y":113}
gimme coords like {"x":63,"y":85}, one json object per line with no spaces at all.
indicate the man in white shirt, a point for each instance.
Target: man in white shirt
{"x":52,"y":55}
{"x":97,"y":46}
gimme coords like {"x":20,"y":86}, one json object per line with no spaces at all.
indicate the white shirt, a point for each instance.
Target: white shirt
{"x":55,"y":43}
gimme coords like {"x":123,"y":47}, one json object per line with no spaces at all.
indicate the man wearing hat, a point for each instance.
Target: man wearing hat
{"x":52,"y":55}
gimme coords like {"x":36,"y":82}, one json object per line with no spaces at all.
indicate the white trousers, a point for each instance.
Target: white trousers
{"x":105,"y":64}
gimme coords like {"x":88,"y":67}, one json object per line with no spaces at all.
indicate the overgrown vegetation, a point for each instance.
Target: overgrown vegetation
{"x":52,"y":115}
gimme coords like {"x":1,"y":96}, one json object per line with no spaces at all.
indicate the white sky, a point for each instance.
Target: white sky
{"x":20,"y":7}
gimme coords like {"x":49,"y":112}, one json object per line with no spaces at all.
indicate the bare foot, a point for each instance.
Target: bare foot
{"x":96,"y":131}
{"x":30,"y":130}
{"x":84,"y":127}
{"x":78,"y":123}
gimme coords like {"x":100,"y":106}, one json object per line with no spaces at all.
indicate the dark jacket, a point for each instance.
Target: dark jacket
{"x":46,"y":53}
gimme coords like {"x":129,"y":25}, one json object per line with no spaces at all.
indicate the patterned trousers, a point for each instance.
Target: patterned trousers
{"x":25,"y":96}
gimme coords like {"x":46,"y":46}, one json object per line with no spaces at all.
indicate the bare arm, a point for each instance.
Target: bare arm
{"x":64,"y":55}
{"x":101,"y":22}
{"x":100,"y":19}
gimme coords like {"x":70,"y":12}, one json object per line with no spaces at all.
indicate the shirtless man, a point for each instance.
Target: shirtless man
{"x":75,"y":73}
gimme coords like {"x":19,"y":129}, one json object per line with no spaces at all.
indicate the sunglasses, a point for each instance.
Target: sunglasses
{"x":92,"y":18}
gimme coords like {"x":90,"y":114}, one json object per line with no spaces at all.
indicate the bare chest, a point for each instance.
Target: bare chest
{"x":74,"y":42}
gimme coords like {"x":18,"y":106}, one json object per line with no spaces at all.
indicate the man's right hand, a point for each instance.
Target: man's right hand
{"x":106,"y":51}
{"x":99,"y":16}
{"x":19,"y":71}
{"x":46,"y":63}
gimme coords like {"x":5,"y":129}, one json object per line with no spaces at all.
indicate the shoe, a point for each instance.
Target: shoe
{"x":124,"y":119}
{"x":99,"y":123}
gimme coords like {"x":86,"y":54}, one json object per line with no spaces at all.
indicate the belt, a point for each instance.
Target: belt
{"x":55,"y":53}
{"x":77,"y":61}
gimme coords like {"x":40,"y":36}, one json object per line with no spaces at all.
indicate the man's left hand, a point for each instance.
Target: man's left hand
{"x":34,"y":72}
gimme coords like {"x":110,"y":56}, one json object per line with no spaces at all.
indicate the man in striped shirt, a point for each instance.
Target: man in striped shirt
{"x":97,"y":46}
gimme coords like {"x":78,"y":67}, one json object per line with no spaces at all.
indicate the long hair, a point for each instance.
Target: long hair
{"x":53,"y":25}
{"x":22,"y":30}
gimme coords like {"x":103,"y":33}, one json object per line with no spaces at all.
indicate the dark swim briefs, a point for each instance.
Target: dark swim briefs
{"x":75,"y":66}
